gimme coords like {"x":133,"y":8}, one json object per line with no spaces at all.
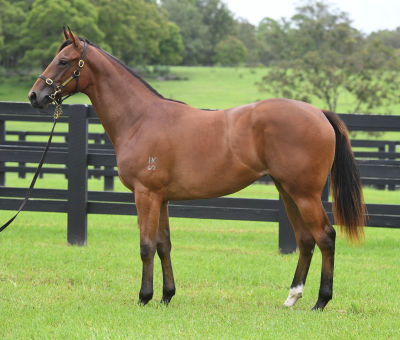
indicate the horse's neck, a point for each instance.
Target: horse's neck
{"x":121,"y":101}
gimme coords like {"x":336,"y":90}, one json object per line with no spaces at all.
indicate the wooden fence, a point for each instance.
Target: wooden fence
{"x":76,"y":154}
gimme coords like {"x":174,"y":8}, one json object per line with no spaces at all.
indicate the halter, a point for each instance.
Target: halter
{"x":56,"y":96}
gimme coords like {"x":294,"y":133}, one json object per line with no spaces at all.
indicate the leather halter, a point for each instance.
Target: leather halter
{"x":56,"y":96}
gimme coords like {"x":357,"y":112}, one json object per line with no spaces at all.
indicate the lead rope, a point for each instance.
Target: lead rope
{"x":57,"y":113}
{"x":34,"y":177}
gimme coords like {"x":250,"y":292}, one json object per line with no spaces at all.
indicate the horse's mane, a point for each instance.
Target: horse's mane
{"x":69,"y":42}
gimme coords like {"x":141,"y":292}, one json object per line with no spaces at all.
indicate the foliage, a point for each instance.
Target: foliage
{"x":389,"y":38}
{"x":42,"y":35}
{"x":247,"y":33}
{"x":12,"y":19}
{"x":329,"y":58}
{"x":204,"y":24}
{"x":171,"y":47}
{"x":135,"y":29}
{"x":230,"y":51}
{"x":276,"y":40}
{"x":194,"y":32}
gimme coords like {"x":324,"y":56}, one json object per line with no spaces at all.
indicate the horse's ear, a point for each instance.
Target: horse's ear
{"x":65,"y":33}
{"x":73,"y":37}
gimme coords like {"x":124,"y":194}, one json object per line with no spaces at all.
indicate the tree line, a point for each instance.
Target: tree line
{"x":186,"y":32}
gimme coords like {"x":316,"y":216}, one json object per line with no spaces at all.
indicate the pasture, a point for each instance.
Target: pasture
{"x":231,"y":281}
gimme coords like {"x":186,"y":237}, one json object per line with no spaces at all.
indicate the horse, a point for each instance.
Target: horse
{"x":167,"y":150}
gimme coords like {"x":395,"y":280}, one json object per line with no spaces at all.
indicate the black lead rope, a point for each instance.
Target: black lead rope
{"x":33,"y":181}
{"x":56,"y":97}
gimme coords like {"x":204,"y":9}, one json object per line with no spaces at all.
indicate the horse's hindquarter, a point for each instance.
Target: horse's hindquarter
{"x":299,"y":143}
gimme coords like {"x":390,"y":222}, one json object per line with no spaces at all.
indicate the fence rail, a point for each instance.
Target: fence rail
{"x":77,"y":154}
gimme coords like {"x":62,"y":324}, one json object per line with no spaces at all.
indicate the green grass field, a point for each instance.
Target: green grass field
{"x":231,"y":281}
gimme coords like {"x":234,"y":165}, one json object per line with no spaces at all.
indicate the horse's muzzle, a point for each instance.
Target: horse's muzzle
{"x":37,"y":103}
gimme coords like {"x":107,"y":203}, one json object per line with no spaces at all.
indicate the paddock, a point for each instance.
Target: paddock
{"x":230,"y":278}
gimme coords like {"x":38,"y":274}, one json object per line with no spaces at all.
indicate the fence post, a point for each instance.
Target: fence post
{"x":2,"y":138}
{"x":108,"y":180}
{"x":392,"y":148}
{"x":77,"y":174}
{"x":22,"y":137}
{"x":287,"y":240}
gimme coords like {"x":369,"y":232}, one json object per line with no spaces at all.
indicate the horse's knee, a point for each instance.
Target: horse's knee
{"x":146,"y":250}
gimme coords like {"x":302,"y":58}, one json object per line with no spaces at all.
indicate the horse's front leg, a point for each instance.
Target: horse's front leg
{"x":148,"y":206}
{"x":164,"y":252}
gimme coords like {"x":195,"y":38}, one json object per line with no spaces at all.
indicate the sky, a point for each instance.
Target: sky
{"x":367,"y":15}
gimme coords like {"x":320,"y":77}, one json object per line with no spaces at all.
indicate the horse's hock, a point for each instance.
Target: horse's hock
{"x":81,"y":159}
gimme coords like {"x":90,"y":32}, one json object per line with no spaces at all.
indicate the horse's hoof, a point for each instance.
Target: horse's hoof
{"x":317,"y":308}
{"x":167,"y":295}
{"x":165,"y":301}
{"x":144,"y":298}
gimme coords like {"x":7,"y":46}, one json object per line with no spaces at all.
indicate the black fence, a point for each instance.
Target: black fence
{"x":379,"y":166}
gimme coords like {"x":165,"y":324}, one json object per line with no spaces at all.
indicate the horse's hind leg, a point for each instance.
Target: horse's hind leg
{"x":164,"y":251}
{"x":314,"y":215}
{"x":305,"y":242}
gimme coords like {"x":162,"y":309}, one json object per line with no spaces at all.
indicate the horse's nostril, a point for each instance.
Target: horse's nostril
{"x":33,"y":96}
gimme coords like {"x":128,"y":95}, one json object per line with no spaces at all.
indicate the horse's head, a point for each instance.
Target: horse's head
{"x":66,"y":63}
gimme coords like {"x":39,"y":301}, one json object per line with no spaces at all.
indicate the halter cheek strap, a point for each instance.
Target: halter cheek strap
{"x":56,"y":96}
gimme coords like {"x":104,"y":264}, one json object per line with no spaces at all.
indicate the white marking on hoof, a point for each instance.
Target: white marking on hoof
{"x":294,"y":294}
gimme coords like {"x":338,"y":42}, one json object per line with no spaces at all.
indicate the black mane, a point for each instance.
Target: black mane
{"x":69,"y":42}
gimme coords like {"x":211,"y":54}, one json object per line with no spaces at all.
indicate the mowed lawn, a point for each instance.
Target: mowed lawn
{"x":231,"y":282}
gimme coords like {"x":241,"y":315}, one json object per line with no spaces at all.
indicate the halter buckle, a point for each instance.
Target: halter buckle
{"x":53,"y":95}
{"x":77,"y":73}
{"x":49,"y":81}
{"x":81,"y":63}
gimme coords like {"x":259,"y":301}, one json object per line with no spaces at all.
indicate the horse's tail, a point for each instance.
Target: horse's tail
{"x":348,"y":201}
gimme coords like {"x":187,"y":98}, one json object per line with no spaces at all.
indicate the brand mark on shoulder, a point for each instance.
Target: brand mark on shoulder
{"x":152,"y":163}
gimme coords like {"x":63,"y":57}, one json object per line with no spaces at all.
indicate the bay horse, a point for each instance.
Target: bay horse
{"x":167,"y":150}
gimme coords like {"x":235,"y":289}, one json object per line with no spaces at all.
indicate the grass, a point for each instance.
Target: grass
{"x":231,"y":282}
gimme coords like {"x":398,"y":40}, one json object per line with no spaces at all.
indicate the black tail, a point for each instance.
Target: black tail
{"x":348,"y":200}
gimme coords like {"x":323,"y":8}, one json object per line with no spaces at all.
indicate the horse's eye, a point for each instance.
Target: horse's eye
{"x":63,"y":62}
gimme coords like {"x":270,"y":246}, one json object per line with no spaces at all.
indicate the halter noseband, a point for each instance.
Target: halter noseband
{"x":56,"y":96}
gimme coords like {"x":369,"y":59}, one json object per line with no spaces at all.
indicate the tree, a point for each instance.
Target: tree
{"x":230,"y":51}
{"x":171,"y":47}
{"x":390,"y":38}
{"x":194,"y":32}
{"x":135,"y":30}
{"x":276,"y":40}
{"x":42,"y":34}
{"x":219,"y":21}
{"x":247,"y":33}
{"x":203,"y":24}
{"x":333,"y":58}
{"x":12,"y":21}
